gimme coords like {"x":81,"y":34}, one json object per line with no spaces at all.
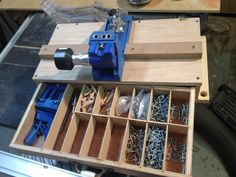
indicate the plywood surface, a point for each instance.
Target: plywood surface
{"x":157,"y":71}
{"x":166,"y":5}
{"x":115,"y":142}
{"x":74,"y":33}
{"x":165,"y":30}
{"x":154,"y":6}
{"x":97,"y":140}
{"x":79,"y":137}
{"x":143,"y":31}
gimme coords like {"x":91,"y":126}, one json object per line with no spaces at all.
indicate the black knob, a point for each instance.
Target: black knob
{"x":63,"y":58}
{"x":112,"y":12}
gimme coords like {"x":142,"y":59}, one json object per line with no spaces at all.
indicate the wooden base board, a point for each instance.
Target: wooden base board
{"x":154,"y":6}
{"x":142,"y":31}
{"x":185,"y":72}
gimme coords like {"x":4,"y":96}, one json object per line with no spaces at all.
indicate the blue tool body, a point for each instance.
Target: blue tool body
{"x":106,"y":51}
{"x":50,"y":98}
{"x":46,"y":107}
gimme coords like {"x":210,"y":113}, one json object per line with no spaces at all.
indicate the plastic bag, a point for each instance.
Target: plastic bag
{"x":123,"y":105}
{"x":63,"y":14}
{"x":140,"y":105}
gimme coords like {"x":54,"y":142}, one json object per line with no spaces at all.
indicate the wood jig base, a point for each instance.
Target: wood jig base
{"x":160,"y":70}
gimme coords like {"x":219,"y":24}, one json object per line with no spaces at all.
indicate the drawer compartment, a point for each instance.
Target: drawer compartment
{"x":123,"y":142}
{"x":113,"y":139}
{"x":75,"y":134}
{"x":94,"y":135}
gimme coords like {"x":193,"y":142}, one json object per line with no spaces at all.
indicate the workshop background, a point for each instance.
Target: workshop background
{"x":22,"y":33}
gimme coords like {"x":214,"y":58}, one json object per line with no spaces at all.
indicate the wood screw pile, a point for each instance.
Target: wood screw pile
{"x":176,"y":150}
{"x":180,"y":112}
{"x":135,"y":145}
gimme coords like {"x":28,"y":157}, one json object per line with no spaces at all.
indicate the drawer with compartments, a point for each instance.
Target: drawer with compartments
{"x":133,"y":129}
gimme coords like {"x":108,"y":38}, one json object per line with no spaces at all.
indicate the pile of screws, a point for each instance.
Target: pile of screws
{"x":155,"y":147}
{"x":176,"y":150}
{"x":106,"y":102}
{"x":160,"y":108}
{"x":135,"y":145}
{"x":180,"y":112}
{"x":88,"y":98}
{"x":140,"y":105}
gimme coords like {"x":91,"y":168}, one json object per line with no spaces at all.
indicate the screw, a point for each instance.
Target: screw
{"x":135,"y":144}
{"x":180,"y":112}
{"x":176,"y":150}
{"x":154,"y":151}
{"x":101,"y":46}
{"x":160,"y":108}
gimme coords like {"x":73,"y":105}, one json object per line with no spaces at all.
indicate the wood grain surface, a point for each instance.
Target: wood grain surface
{"x":62,"y":133}
{"x":79,"y":136}
{"x":97,"y":139}
{"x":116,"y":140}
{"x":158,"y":71}
{"x":153,"y":6}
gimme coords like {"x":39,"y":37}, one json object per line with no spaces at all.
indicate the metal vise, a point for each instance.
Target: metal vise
{"x":105,"y":53}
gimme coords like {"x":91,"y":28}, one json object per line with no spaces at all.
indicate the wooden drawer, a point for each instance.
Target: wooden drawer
{"x":101,"y":140}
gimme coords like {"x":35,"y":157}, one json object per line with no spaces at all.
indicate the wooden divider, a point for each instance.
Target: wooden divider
{"x":190,"y":132}
{"x":94,"y":136}
{"x":124,"y":145}
{"x":63,"y":130}
{"x":114,"y":140}
{"x":75,"y":133}
{"x":66,"y":121}
{"x":59,"y":117}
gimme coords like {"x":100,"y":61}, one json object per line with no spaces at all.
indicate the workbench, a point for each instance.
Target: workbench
{"x":154,"y":6}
